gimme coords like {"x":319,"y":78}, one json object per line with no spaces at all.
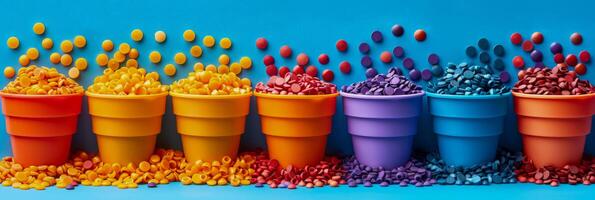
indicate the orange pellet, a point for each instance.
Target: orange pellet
{"x":13,"y":42}
{"x":39,"y":28}
{"x":107,"y":45}
{"x":246,"y":62}
{"x":133,"y":53}
{"x":180,"y":58}
{"x":32,"y":53}
{"x":24,"y":60}
{"x":210,"y":83}
{"x":155,"y":57}
{"x":224,"y":59}
{"x":80,"y":64}
{"x":136,"y":35}
{"x":9,"y":72}
{"x":124,"y":48}
{"x":66,"y":60}
{"x":196,"y":51}
{"x":66,"y":46}
{"x":189,"y":35}
{"x":199,"y":67}
{"x":127,"y":81}
{"x":235,"y":68}
{"x":80,"y":41}
{"x":55,"y":58}
{"x":169,"y":70}
{"x":35,"y":80}
{"x":102,"y":59}
{"x":47,"y":43}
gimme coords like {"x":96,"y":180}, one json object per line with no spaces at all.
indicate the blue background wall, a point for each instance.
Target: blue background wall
{"x":307,"y":26}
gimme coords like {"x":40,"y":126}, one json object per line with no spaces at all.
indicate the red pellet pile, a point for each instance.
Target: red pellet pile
{"x":570,"y":174}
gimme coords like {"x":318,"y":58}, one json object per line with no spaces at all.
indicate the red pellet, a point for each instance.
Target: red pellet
{"x":584,"y":56}
{"x":518,"y":62}
{"x":283,"y":70}
{"x":298,"y":69}
{"x":576,"y":38}
{"x":571,"y":60}
{"x":302,"y":59}
{"x":323,"y":59}
{"x":527,"y":46}
{"x":262,"y":43}
{"x":312,"y":70}
{"x":570,"y":174}
{"x":296,"y":84}
{"x":285,"y":51}
{"x":271,"y":70}
{"x":420,"y":35}
{"x":580,"y":69}
{"x":328,"y":75}
{"x":341,"y":45}
{"x":537,"y":38}
{"x":559,"y":58}
{"x":555,"y":81}
{"x":345,"y":67}
{"x":268,"y":60}
{"x":386,"y":57}
{"x":516,"y":38}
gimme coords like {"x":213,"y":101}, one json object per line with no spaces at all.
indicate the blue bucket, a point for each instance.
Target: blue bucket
{"x":468,"y":127}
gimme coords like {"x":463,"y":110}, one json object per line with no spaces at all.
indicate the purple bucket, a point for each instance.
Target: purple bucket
{"x":382,"y":127}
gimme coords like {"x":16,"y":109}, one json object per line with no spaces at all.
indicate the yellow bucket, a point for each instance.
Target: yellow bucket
{"x":296,"y":126}
{"x":126,"y":126}
{"x":210,"y":125}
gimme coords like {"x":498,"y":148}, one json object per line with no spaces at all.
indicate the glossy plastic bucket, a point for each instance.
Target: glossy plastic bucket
{"x":41,"y":126}
{"x":126,"y":126}
{"x":210,"y":125}
{"x":382,"y":127}
{"x":554,"y":127}
{"x":468,"y":127}
{"x":296,"y":126}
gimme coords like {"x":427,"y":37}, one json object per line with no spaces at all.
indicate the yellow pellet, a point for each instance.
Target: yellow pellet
{"x":66,"y":60}
{"x":80,"y":41}
{"x":136,"y":35}
{"x":47,"y":43}
{"x":81,"y":64}
{"x":223,"y":69}
{"x":124,"y":48}
{"x":66,"y":46}
{"x":55,"y":58}
{"x":24,"y":60}
{"x":225,"y":43}
{"x":169,"y":69}
{"x":131,"y":63}
{"x":9,"y":72}
{"x":224,"y":59}
{"x":13,"y":42}
{"x":189,"y":35}
{"x":208,"y":41}
{"x":32,"y":53}
{"x":120,"y":57}
{"x":235,"y":68}
{"x":127,"y":81}
{"x":199,"y":67}
{"x":102,"y":59}
{"x":196,"y":51}
{"x":211,"y":68}
{"x":41,"y":80}
{"x":113,"y":64}
{"x":211,"y":83}
{"x":155,"y":57}
{"x":107,"y":45}
{"x":38,"y":28}
{"x":133,"y":54}
{"x":180,"y":58}
{"x":246,"y":62}
{"x":160,"y":36}
{"x":212,"y":182}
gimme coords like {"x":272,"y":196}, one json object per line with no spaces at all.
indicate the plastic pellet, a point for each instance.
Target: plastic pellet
{"x":433,"y":59}
{"x":471,"y":51}
{"x":32,"y":53}
{"x":189,"y":35}
{"x":584,"y":56}
{"x":559,"y":58}
{"x":66,"y":60}
{"x":420,"y":35}
{"x":364,"y":48}
{"x":224,"y":59}
{"x":73,"y":73}
{"x":133,"y":54}
{"x":576,"y":38}
{"x":298,"y":70}
{"x":518,"y":62}
{"x":24,"y":60}
{"x":39,"y":28}
{"x":66,"y":46}
{"x":80,"y":41}
{"x":386,"y":57}
{"x":102,"y":59}
{"x":391,"y":83}
{"x":225,"y":43}
{"x":80,"y":64}
{"x":399,"y":52}
{"x":246,"y":62}
{"x":285,"y":51}
{"x":571,"y":60}
{"x":366,"y":61}
{"x":9,"y":72}
{"x":580,"y":69}
{"x":33,"y":80}
{"x":196,"y":51}
{"x":371,"y":72}
{"x":323,"y":59}
{"x":271,"y":70}
{"x":377,"y":36}
{"x":47,"y":43}
{"x":210,"y":83}
{"x":262,"y":43}
{"x":169,"y":69}
{"x":397,"y":30}
{"x":556,"y":81}
{"x":208,"y":41}
{"x":127,"y":81}
{"x":483,"y":44}
{"x":155,"y":57}
{"x":536,"y":55}
{"x":107,"y":45}
{"x":136,"y":35}
{"x":283,"y":70}
{"x":312,"y":71}
{"x":124,"y":48}
{"x":55,"y":58}
{"x":13,"y":42}
{"x":296,"y":84}
{"x":223,"y":69}
{"x":180,"y":58}
{"x":465,"y":79}
{"x":341,"y":45}
{"x":537,"y":38}
{"x":302,"y":59}
{"x":160,"y":36}
{"x":527,"y":46}
{"x":516,"y":38}
{"x":211,"y":68}
{"x":235,"y":68}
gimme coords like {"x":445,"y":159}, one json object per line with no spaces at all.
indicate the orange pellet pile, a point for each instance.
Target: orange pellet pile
{"x":205,"y":82}
{"x":127,"y":81}
{"x":34,"y":80}
{"x":163,"y":167}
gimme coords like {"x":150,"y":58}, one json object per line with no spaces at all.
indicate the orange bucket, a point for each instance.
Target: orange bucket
{"x":126,"y":126}
{"x":554,"y":127}
{"x":296,"y":126}
{"x":210,"y":125}
{"x":41,"y":126}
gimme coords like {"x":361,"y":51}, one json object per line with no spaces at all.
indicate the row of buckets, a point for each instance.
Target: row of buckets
{"x":554,"y":128}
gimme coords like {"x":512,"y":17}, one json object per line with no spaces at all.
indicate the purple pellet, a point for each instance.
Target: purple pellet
{"x":414,"y":75}
{"x":408,"y":63}
{"x":555,"y":48}
{"x":364,"y":48}
{"x":377,"y":36}
{"x":536,"y":56}
{"x":399,"y":52}
{"x":426,"y":75}
{"x":367,"y":184}
{"x":384,"y":184}
{"x":366,"y":61}
{"x":371,"y":72}
{"x":397,"y":30}
{"x":433,"y":59}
